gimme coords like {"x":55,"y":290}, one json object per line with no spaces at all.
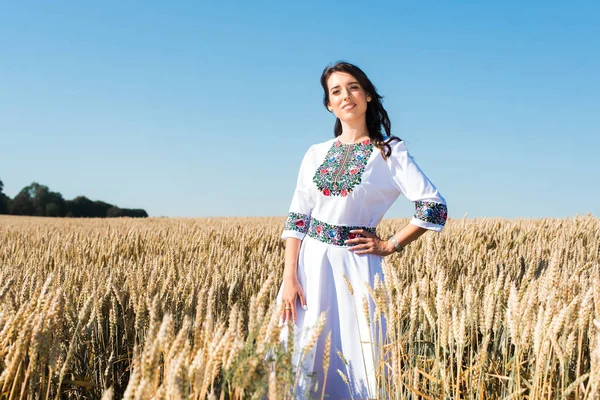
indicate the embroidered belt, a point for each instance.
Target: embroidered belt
{"x":333,"y":234}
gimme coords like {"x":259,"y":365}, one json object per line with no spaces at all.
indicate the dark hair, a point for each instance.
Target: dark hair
{"x":376,"y":115}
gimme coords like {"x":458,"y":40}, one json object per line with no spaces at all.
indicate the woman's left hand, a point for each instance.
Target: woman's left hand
{"x":368,"y":243}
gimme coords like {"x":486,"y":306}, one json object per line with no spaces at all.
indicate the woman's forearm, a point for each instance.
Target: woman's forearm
{"x":292,"y":249}
{"x":408,"y":234}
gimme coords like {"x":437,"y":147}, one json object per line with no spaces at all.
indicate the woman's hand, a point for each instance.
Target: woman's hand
{"x":291,"y":289}
{"x":368,"y":243}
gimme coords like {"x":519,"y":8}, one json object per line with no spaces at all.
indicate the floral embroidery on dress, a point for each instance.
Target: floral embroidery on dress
{"x":333,"y":234}
{"x":297,"y":222}
{"x":430,"y":211}
{"x":342,"y":168}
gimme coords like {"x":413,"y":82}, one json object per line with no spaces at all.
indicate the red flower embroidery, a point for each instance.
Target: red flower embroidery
{"x":300,"y":223}
{"x":346,"y":163}
{"x":319,"y":229}
{"x":351,"y":235}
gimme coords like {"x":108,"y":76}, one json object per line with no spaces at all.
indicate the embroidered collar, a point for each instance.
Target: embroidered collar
{"x":342,"y":169}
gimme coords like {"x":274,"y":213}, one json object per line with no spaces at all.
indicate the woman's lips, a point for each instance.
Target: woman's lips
{"x":348,"y":107}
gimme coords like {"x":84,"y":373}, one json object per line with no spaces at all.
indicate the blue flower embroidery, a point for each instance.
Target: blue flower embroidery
{"x":430,"y":211}
{"x":333,"y":234}
{"x":297,"y":222}
{"x":342,"y":168}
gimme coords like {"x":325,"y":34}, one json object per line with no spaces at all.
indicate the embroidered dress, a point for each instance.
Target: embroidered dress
{"x":342,"y":187}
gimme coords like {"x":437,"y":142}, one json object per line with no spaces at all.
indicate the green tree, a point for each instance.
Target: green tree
{"x":38,"y":200}
{"x":114,"y":212}
{"x":134,"y":212}
{"x":52,"y":210}
{"x":101,"y":209}
{"x":80,"y":206}
{"x":56,"y":206}
{"x":22,"y":204}
{"x":4,"y":200}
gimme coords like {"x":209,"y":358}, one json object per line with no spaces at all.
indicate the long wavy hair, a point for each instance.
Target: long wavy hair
{"x":376,"y":116}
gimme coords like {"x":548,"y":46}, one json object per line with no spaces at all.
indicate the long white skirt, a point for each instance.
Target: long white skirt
{"x":321,"y":270}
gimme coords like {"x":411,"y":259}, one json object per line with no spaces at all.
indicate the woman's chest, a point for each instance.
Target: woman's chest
{"x":349,"y":171}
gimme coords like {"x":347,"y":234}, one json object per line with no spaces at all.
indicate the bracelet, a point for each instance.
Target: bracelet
{"x":397,"y":245}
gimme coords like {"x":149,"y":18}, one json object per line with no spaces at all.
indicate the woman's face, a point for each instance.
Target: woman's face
{"x":347,"y":98}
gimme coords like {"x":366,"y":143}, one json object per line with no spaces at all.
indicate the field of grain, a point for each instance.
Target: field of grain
{"x":183,"y":308}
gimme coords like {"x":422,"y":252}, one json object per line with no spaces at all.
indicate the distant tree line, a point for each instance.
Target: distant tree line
{"x":38,"y":200}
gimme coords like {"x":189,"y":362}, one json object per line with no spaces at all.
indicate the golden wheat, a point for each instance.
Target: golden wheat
{"x":184,"y":308}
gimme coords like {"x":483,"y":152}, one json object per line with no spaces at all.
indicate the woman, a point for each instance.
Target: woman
{"x":345,"y":186}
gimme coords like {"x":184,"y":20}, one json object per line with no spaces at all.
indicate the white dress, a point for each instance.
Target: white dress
{"x":342,"y":187}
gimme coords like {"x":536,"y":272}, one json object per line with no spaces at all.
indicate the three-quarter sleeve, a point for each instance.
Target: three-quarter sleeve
{"x":431,"y":210}
{"x":297,"y":221}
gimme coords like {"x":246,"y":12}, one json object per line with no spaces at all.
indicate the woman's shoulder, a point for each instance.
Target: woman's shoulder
{"x":397,"y":147}
{"x":321,"y":147}
{"x":315,"y":152}
{"x":395,"y":143}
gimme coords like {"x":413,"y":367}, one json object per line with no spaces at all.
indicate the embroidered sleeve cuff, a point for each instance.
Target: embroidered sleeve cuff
{"x":426,"y":225}
{"x":430,"y":215}
{"x":296,"y":225}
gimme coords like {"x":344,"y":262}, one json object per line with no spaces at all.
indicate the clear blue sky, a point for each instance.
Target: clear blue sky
{"x":206,"y":108}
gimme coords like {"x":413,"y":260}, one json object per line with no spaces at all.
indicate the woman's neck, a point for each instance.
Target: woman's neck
{"x":353,"y":133}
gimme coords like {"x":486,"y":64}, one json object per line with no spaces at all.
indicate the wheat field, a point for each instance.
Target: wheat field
{"x":184,"y":308}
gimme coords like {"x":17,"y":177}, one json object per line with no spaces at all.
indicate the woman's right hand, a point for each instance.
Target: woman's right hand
{"x":291,"y":289}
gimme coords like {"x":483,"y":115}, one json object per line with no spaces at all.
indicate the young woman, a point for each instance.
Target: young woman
{"x":344,"y":188}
